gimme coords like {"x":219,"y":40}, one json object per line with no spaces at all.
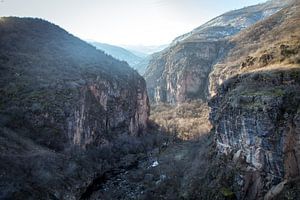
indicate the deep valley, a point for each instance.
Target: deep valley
{"x":215,"y":115}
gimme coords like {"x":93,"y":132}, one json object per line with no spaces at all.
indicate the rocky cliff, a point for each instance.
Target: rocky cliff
{"x":179,"y":73}
{"x":248,"y":62}
{"x":59,"y":95}
{"x":256,"y":104}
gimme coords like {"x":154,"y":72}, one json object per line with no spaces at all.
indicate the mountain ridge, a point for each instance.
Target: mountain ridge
{"x":118,"y":52}
{"x":178,"y":74}
{"x":63,"y":103}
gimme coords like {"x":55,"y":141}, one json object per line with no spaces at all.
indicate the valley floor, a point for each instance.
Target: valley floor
{"x":163,"y":174}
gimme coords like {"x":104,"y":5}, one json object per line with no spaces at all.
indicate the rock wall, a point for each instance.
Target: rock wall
{"x":179,"y":73}
{"x":67,"y":86}
{"x":185,"y":69}
{"x":255,"y":105}
{"x":255,"y":119}
{"x":107,"y":107}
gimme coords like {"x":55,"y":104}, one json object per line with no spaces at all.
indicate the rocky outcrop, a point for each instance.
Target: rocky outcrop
{"x":121,"y":109}
{"x":62,"y":103}
{"x":179,"y":73}
{"x":255,"y":108}
{"x":185,"y":69}
{"x":257,"y":125}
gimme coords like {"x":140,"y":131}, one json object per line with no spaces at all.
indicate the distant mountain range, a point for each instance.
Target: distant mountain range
{"x":143,"y":50}
{"x":118,"y":52}
{"x":136,"y":56}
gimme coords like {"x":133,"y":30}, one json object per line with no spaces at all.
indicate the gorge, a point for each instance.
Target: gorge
{"x":216,"y":115}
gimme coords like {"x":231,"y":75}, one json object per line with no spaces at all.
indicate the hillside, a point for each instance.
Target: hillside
{"x":63,"y":103}
{"x":119,"y":53}
{"x":179,"y":73}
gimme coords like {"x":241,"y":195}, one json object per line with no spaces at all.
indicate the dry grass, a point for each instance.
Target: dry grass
{"x":186,"y":121}
{"x":271,"y":42}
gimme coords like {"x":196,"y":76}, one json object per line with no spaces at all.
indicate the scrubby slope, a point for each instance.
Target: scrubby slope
{"x":61,"y":102}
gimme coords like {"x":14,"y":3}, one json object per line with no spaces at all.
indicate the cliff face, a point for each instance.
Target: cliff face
{"x":255,"y":110}
{"x":258,"y":125}
{"x":59,"y":96}
{"x":180,"y":72}
{"x":67,"y":81}
{"x":107,"y":108}
{"x":184,"y":70}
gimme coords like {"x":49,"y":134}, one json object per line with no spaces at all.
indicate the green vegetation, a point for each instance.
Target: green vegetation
{"x":295,"y":74}
{"x":271,"y":92}
{"x":227,"y":192}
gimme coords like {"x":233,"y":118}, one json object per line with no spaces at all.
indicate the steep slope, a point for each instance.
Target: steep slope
{"x":180,"y":72}
{"x":62,"y":101}
{"x":118,"y":53}
{"x":256,"y":106}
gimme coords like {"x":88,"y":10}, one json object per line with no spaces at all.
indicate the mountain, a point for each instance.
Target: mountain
{"x":137,"y":56}
{"x":144,"y":50}
{"x":65,"y":110}
{"x":180,"y":72}
{"x":142,"y":65}
{"x":118,"y":53}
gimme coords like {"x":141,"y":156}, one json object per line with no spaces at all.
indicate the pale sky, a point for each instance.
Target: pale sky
{"x":129,"y":22}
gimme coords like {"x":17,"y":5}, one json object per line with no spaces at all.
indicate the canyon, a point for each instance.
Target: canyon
{"x":216,"y":115}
